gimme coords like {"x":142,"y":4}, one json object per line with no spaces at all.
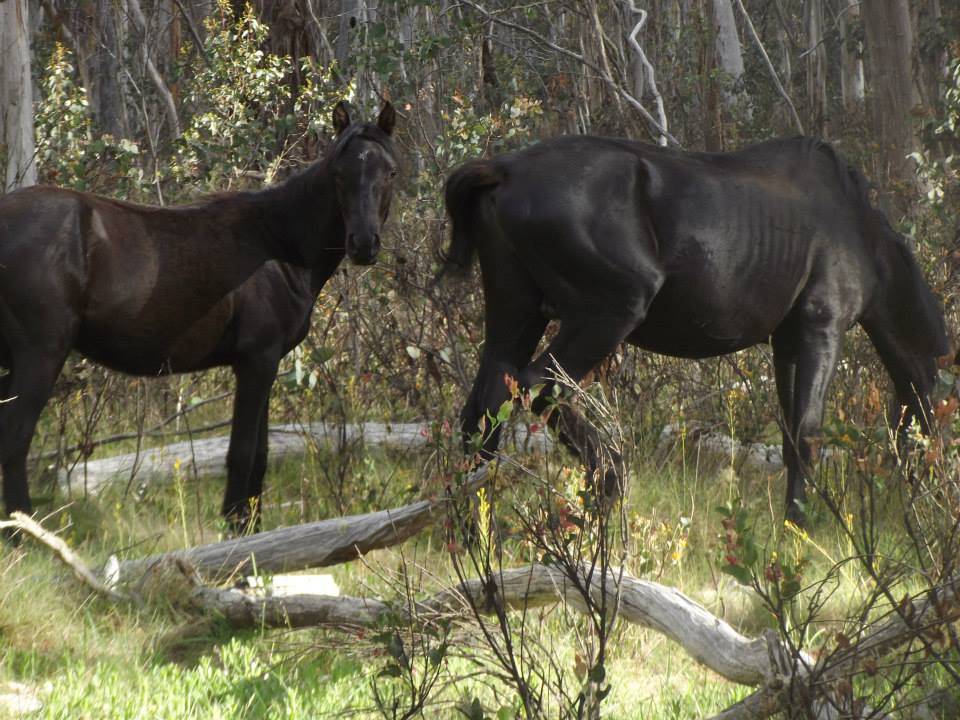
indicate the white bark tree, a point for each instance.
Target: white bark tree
{"x":816,"y":64}
{"x":16,"y":95}
{"x":729,"y":55}
{"x":851,"y":58}
{"x":889,"y":35}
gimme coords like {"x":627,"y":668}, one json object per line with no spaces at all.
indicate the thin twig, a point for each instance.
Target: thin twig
{"x":194,"y":33}
{"x":31,"y":527}
{"x":648,"y":73}
{"x":770,"y":68}
{"x":155,"y":431}
{"x":136,"y":13}
{"x":611,"y":83}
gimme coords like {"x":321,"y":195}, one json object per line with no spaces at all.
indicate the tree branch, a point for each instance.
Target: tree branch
{"x":166,"y":97}
{"x":648,"y":69}
{"x":27,"y":525}
{"x":770,"y":68}
{"x":580,"y":59}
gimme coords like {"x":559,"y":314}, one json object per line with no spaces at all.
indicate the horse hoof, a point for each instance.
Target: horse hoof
{"x":796,"y":515}
{"x":12,"y":537}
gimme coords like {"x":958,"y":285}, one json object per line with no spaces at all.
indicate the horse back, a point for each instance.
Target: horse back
{"x":740,"y":240}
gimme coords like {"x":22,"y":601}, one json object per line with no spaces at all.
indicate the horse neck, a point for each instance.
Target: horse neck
{"x":299,"y":215}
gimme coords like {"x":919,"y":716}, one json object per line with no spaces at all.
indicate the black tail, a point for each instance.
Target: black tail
{"x":463,"y":189}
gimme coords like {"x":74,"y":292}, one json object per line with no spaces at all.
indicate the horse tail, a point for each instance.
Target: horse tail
{"x":463,"y":190}
{"x":907,"y":302}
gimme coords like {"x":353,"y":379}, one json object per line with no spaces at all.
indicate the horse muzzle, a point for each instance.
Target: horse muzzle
{"x":362,"y":249}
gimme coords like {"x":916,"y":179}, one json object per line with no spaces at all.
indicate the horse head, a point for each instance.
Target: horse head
{"x":363,"y":168}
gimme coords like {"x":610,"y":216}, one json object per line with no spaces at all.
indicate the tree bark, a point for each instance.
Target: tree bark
{"x":889,"y":55}
{"x":932,"y":56}
{"x":16,"y":95}
{"x":851,"y":58}
{"x":730,"y":56}
{"x":816,"y":65}
{"x":349,"y":11}
{"x":105,"y":70}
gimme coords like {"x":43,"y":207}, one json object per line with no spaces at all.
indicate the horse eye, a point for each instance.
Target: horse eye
{"x":393,"y":173}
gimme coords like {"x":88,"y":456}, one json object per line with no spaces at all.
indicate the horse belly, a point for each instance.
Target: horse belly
{"x":700,"y":319}
{"x":147,"y":350}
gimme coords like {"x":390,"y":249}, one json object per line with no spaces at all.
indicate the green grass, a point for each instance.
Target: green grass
{"x":91,"y":659}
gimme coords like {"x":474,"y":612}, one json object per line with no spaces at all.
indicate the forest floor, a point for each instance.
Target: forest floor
{"x":81,"y":656}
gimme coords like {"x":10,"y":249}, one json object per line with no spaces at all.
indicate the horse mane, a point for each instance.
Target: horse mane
{"x":918,"y":315}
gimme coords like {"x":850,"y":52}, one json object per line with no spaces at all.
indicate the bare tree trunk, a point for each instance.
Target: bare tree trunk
{"x":349,"y":20}
{"x":16,"y":95}
{"x":105,"y":62}
{"x":816,"y":65}
{"x":889,"y":63}
{"x":785,"y":48}
{"x":166,"y":97}
{"x":932,"y":55}
{"x":730,"y":56}
{"x":851,"y":58}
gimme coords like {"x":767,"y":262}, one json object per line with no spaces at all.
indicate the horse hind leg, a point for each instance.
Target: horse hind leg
{"x":513,"y":325}
{"x":581,"y":344}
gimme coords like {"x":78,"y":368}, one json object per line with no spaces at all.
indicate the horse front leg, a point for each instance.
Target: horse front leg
{"x":247,"y":455}
{"x":26,"y":391}
{"x":805,"y":359}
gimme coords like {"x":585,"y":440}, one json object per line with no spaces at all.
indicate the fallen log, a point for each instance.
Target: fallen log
{"x":708,"y":639}
{"x":758,"y":456}
{"x":300,"y":547}
{"x":754,"y":455}
{"x":782,"y":673}
{"x":911,"y":620}
{"x":206,"y":457}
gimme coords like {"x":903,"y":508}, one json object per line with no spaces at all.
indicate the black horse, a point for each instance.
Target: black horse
{"x":229,"y":280}
{"x":692,"y":255}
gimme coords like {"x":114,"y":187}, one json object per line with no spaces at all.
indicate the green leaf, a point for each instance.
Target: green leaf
{"x":739,"y":572}
{"x":503,"y":414}
{"x":321,"y":354}
{"x":789,"y":589}
{"x":597,"y":673}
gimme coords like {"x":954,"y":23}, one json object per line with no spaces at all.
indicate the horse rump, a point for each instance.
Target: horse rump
{"x":462,"y":191}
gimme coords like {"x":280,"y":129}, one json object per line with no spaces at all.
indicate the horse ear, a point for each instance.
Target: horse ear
{"x":341,"y":118}
{"x":387,"y":119}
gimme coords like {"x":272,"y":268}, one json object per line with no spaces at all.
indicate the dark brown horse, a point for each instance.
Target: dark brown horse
{"x":229,"y":280}
{"x":692,"y":255}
